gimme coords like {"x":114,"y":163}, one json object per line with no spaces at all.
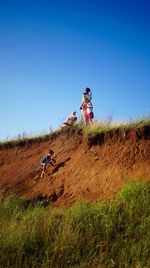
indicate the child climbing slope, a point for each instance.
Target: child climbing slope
{"x":48,"y":159}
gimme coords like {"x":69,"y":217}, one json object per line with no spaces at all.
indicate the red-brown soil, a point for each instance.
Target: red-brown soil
{"x":92,"y":169}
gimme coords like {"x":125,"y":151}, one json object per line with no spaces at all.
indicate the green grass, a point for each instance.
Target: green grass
{"x":115,"y":234}
{"x":107,"y":126}
{"x":89,"y":131}
{"x":22,"y":140}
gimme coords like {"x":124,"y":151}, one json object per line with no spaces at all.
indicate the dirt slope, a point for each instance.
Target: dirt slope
{"x":93,"y":169}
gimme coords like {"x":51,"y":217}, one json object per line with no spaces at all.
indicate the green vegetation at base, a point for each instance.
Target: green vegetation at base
{"x":115,"y":234}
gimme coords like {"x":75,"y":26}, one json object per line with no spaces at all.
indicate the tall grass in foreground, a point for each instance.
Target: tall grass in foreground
{"x":87,"y":235}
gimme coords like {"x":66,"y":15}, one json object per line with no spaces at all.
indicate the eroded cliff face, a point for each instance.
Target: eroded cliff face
{"x":92,"y":169}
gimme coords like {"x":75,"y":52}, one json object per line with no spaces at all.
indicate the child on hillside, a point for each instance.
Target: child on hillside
{"x":71,"y":119}
{"x":48,"y":159}
{"x":89,"y":112}
{"x":87,"y":107}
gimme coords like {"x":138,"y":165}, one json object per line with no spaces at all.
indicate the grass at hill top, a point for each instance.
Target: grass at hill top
{"x":115,"y":234}
{"x":108,"y":126}
{"x":97,"y":127}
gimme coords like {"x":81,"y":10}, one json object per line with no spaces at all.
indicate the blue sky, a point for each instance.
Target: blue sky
{"x":50,"y":51}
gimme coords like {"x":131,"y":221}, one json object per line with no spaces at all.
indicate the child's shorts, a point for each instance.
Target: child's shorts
{"x":89,"y":116}
{"x":42,"y":164}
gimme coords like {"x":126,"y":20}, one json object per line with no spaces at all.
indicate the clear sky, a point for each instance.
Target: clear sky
{"x":51,"y":50}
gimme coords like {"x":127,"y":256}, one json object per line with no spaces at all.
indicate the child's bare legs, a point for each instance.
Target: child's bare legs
{"x":44,"y":167}
{"x":91,"y":122}
{"x":86,"y":121}
{"x":43,"y":170}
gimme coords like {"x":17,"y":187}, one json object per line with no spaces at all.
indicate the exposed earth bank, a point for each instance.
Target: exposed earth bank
{"x":92,"y":168}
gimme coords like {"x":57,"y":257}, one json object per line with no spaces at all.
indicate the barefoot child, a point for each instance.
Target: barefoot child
{"x":48,"y":159}
{"x":87,"y":111}
{"x":71,"y":119}
{"x":87,"y":107}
